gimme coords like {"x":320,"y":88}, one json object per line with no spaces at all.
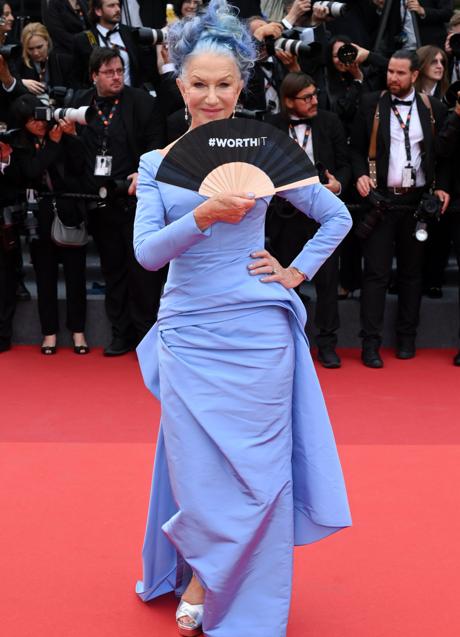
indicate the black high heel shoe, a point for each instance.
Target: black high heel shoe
{"x":80,"y":349}
{"x":48,"y":350}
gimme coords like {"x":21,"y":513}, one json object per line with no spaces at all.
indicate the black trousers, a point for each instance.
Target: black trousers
{"x":288,"y":230}
{"x":46,"y":257}
{"x":393,"y":235}
{"x":8,"y":284}
{"x":132,"y":294}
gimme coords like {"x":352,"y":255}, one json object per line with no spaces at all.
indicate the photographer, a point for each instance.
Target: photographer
{"x":452,"y":47}
{"x":396,"y":130}
{"x":51,"y":159}
{"x":448,"y":144}
{"x":348,"y":73}
{"x":128,"y":124}
{"x":10,"y":210}
{"x":140,"y":63}
{"x":430,"y":17}
{"x":322,"y":137}
{"x":64,"y":19}
{"x":41,"y":68}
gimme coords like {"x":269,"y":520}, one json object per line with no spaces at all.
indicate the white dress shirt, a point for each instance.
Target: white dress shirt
{"x":300,"y":134}
{"x":115,"y":39}
{"x":398,"y":158}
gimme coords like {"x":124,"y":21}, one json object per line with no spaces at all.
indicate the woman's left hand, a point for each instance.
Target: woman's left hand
{"x":274,"y":271}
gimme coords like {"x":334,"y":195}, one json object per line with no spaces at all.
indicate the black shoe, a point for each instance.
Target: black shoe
{"x":117,"y":347}
{"x":405,"y":349}
{"x":457,"y":359}
{"x":434,"y":293}
{"x":22,"y":293}
{"x":371,"y":357}
{"x":329,"y":358}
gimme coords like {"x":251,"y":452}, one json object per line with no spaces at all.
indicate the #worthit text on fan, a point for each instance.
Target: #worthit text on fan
{"x":239,"y":142}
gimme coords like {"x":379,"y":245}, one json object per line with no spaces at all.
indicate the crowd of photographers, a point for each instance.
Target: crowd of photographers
{"x":369,"y":88}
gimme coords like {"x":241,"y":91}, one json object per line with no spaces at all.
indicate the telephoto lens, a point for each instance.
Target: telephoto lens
{"x":334,"y":9}
{"x":149,"y":37}
{"x":347,"y":53}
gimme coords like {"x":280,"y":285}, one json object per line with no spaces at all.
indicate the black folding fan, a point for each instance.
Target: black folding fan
{"x":236,"y":155}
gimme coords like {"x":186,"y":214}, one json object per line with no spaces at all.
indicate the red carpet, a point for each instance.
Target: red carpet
{"x":76,"y":445}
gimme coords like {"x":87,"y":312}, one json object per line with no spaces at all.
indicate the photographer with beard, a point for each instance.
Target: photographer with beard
{"x":129,"y":123}
{"x":322,"y":137}
{"x":396,"y":130}
{"x":140,"y":62}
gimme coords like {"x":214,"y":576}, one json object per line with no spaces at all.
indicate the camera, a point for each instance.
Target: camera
{"x":149,"y":37}
{"x":8,"y":51}
{"x":31,"y":226}
{"x":347,"y":53}
{"x":455,"y":44}
{"x":429,"y":209}
{"x":380,"y":204}
{"x":83,"y":115}
{"x":11,"y":137}
{"x":334,"y":9}
{"x":114,"y":188}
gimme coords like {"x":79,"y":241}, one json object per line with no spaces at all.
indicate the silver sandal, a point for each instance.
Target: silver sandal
{"x":195,"y":612}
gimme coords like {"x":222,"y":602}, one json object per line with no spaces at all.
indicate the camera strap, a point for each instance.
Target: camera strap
{"x":404,"y":126}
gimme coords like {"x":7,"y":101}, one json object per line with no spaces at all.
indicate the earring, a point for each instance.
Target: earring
{"x":234,"y":113}
{"x":186,"y":113}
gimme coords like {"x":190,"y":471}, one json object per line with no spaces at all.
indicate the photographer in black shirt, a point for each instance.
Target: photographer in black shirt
{"x":128,"y":123}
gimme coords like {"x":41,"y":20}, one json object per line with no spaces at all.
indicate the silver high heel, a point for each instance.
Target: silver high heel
{"x":195,"y":612}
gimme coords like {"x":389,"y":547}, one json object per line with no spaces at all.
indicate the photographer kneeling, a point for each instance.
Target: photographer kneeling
{"x":51,"y":159}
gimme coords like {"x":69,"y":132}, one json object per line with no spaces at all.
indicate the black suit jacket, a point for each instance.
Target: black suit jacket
{"x":62,"y":23}
{"x":361,"y":134}
{"x":59,"y":70}
{"x":447,"y":147}
{"x":432,"y":27}
{"x":142,"y":60}
{"x":142,"y":117}
{"x":329,"y":143}
{"x":253,"y":96}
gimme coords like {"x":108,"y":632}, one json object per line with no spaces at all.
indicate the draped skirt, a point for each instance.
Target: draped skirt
{"x":226,"y":511}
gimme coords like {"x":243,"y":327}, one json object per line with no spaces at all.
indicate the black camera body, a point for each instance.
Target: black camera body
{"x":428,"y":211}
{"x":247,"y":113}
{"x":10,"y":51}
{"x":379,"y":206}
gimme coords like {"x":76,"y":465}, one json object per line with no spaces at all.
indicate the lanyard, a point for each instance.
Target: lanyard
{"x":293,"y":135}
{"x":405,"y":127}
{"x":107,"y":120}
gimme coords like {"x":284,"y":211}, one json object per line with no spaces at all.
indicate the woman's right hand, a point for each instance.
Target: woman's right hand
{"x":34,"y":87}
{"x":225,"y":207}
{"x":55,"y":134}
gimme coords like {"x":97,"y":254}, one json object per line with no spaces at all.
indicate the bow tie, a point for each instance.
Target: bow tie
{"x":297,"y":122}
{"x":115,"y":29}
{"x":397,"y":102}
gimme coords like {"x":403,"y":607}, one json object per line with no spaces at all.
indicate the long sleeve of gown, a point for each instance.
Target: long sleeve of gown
{"x":335,"y":222}
{"x":156,"y":243}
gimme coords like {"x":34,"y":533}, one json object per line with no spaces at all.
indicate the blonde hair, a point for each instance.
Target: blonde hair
{"x":454,"y":21}
{"x":31,"y":30}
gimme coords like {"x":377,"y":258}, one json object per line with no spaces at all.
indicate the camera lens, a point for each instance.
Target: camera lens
{"x":347,"y":53}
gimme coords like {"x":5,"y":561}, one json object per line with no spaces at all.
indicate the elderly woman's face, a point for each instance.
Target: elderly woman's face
{"x":210,"y":86}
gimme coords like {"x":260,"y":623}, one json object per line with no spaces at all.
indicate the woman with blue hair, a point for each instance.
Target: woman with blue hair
{"x":246,"y":465}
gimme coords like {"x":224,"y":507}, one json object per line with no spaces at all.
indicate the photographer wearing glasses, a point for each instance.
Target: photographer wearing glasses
{"x":393,"y":158}
{"x":322,"y":137}
{"x":128,"y":123}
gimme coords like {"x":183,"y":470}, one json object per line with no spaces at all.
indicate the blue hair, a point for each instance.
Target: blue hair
{"x":217,"y":29}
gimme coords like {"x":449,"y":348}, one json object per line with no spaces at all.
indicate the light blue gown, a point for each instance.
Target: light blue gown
{"x":246,"y":465}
